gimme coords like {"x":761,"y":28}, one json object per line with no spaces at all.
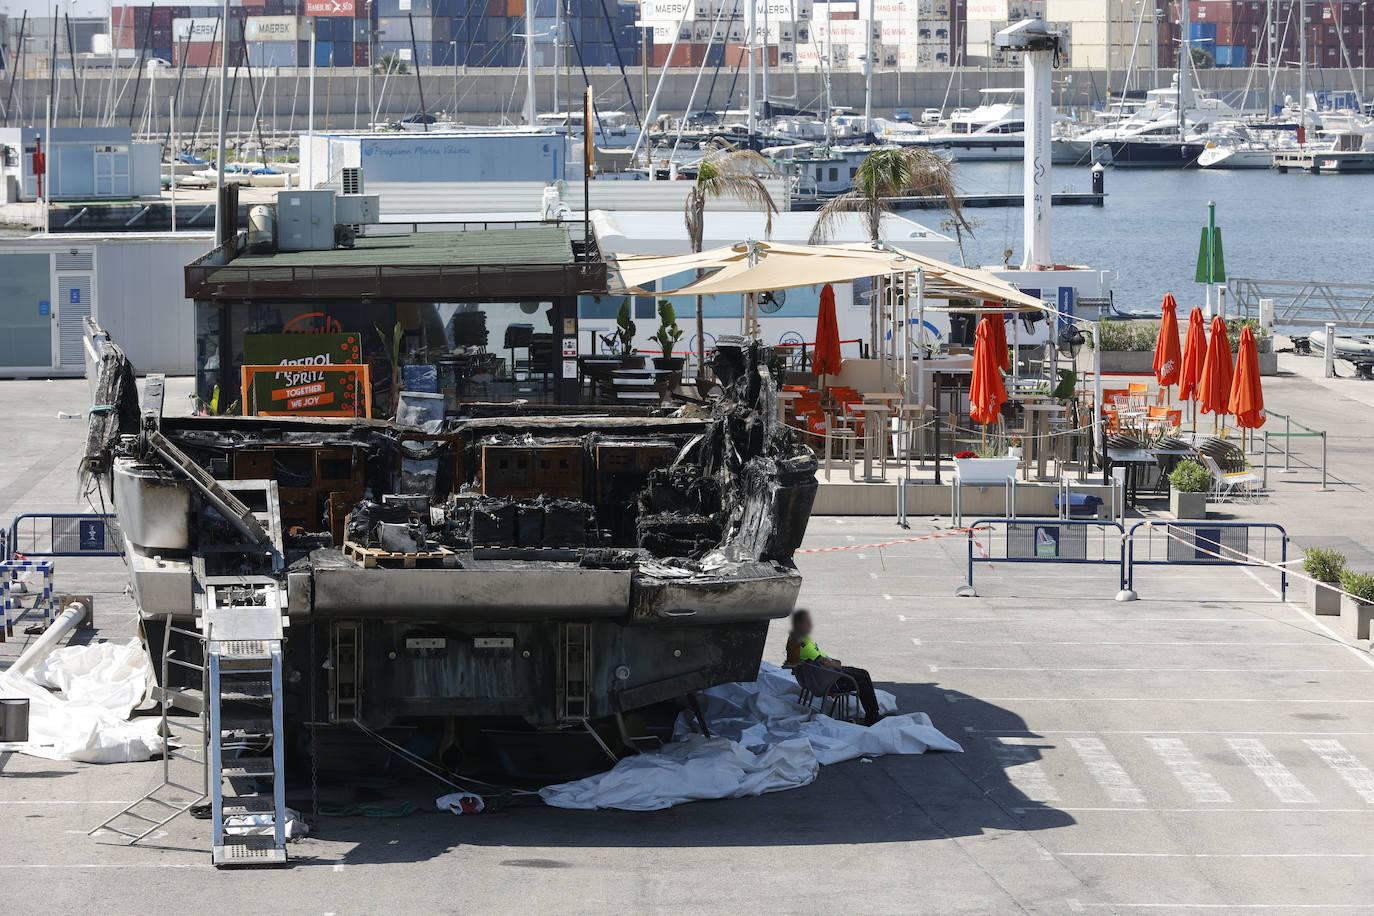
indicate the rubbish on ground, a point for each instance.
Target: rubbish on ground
{"x":764,"y":740}
{"x":460,"y":803}
{"x":87,"y":720}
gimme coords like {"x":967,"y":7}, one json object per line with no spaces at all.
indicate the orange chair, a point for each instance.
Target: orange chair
{"x":1138,"y":389}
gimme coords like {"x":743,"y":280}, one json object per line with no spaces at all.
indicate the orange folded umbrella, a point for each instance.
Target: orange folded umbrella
{"x":1168,"y":357}
{"x":1194,"y":355}
{"x":825,"y":359}
{"x":1247,"y":399}
{"x":1214,"y":388}
{"x":986,"y":391}
{"x":999,"y":339}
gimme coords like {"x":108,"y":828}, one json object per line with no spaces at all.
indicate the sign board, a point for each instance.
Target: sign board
{"x":1047,"y":541}
{"x":270,"y":28}
{"x":1210,"y":269}
{"x":296,"y":389}
{"x":91,"y":534}
{"x":328,"y":8}
{"x":44,"y":308}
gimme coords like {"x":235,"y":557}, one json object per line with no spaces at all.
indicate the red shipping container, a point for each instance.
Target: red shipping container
{"x":739,"y":54}
{"x":360,"y":54}
{"x":196,"y":54}
{"x":162,"y":15}
{"x":685,"y":55}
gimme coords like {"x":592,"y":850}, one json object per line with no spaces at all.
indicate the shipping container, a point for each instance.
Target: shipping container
{"x":360,"y":58}
{"x":684,"y":55}
{"x":1236,"y":56}
{"x":398,"y":28}
{"x":417,"y":8}
{"x":197,"y":54}
{"x":272,"y":54}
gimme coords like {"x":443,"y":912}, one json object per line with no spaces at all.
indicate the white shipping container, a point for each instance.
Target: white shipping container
{"x":196,"y":30}
{"x":271,"y":28}
{"x":851,"y":31}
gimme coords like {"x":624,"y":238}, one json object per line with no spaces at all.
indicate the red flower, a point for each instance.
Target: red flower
{"x":966,"y":455}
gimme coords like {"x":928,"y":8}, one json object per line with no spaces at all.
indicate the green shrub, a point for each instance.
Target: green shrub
{"x":1135,"y":336}
{"x":1190,"y":477}
{"x":1324,"y":565}
{"x":1361,"y":585}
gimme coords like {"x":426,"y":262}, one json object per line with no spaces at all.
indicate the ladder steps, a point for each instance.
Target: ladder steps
{"x":246,"y":766}
{"x":249,"y":851}
{"x":246,"y":692}
{"x":247,"y":804}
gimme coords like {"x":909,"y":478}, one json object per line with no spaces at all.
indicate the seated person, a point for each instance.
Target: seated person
{"x":802,"y":650}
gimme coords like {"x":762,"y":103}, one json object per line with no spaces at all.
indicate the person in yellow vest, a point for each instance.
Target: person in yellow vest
{"x":802,"y":650}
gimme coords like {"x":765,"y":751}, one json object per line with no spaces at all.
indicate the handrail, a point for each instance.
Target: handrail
{"x":1288,"y":423}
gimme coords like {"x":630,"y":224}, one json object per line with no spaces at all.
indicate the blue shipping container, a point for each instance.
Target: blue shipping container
{"x":272,"y":53}
{"x":324,"y":54}
{"x":1202,"y":30}
{"x":1230,"y":55}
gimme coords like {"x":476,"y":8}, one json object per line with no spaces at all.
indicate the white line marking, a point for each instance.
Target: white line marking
{"x":1273,"y":774}
{"x":1108,"y":771}
{"x":338,"y":866}
{"x":915,"y":641}
{"x":1235,"y":906}
{"x":1023,"y":768}
{"x":1147,"y":670}
{"x":887,"y":597}
{"x":1355,"y":774}
{"x":1218,"y":855}
{"x":1313,"y":619}
{"x":1189,"y":771}
{"x":934,"y":669}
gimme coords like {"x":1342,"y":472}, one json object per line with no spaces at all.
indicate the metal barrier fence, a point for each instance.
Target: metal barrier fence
{"x":1200,"y":543}
{"x":1305,"y":432}
{"x":62,"y":534}
{"x":1048,"y":540}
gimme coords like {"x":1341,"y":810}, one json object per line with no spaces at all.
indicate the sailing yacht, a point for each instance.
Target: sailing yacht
{"x":1165,"y":132}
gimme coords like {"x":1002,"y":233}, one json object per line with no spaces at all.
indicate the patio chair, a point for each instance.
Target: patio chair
{"x":1138,"y":389}
{"x":1228,"y":484}
{"x":821,"y":683}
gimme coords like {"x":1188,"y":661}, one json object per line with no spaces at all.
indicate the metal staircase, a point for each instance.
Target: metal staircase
{"x":239,"y":591}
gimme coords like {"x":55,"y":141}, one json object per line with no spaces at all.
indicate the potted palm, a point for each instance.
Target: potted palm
{"x":1188,"y":486}
{"x":1324,"y":594}
{"x":621,"y":341}
{"x":667,"y":337}
{"x":1357,"y":602}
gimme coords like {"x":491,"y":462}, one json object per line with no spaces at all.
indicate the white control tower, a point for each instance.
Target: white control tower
{"x":1039,"y":46}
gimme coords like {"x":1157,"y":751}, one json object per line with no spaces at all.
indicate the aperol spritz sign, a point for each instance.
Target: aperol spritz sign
{"x":302,"y":386}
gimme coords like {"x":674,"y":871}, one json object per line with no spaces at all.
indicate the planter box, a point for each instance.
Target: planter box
{"x":986,"y":471}
{"x":1187,"y":505}
{"x":1324,"y":600}
{"x":1142,"y":362}
{"x":1355,"y":616}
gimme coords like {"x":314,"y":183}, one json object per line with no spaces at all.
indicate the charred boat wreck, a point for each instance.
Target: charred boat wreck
{"x":512,"y":574}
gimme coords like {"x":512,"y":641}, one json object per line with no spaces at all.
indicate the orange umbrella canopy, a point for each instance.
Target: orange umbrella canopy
{"x":999,"y":338}
{"x":1168,"y":357}
{"x":986,"y":392}
{"x":1247,"y":399}
{"x":1194,"y":355}
{"x":826,"y":358}
{"x":1214,"y":388}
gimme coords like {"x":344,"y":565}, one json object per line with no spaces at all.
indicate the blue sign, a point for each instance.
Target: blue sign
{"x":1066,"y":295}
{"x":75,"y":296}
{"x":1207,"y":544}
{"x":43,"y":307}
{"x":91,"y":535}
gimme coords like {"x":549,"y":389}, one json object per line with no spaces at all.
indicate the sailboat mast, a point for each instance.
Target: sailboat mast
{"x":751,"y":25}
{"x":530,"y":102}
{"x":1185,"y":66}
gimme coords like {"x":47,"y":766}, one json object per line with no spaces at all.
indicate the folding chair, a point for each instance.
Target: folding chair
{"x":1138,"y":389}
{"x":1226,"y":484}
{"x":820,"y":682}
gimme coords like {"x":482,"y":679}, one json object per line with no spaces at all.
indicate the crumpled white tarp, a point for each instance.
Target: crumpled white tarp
{"x":100,"y":685}
{"x":763,"y":741}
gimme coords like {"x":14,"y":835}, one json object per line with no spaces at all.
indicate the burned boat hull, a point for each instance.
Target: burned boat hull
{"x":677,"y":555}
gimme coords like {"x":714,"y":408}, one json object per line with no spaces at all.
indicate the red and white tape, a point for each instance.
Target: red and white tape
{"x":925,"y":537}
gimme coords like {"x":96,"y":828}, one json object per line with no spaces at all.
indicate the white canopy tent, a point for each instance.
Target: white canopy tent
{"x":750,"y":267}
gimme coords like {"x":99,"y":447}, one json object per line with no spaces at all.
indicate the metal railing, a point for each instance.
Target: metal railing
{"x":1305,"y":303}
{"x":1305,"y":432}
{"x":1047,"y":540}
{"x":62,"y":534}
{"x":1199,"y":543}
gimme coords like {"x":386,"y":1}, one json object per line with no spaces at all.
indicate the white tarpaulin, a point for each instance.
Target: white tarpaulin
{"x":88,"y":720}
{"x":763,"y":741}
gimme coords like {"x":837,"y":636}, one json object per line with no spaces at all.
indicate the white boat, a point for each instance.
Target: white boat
{"x":1240,"y":155}
{"x":995,"y":131}
{"x":1348,"y":344}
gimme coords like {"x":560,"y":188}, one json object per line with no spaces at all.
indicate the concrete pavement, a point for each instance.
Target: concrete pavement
{"x":1208,"y":747}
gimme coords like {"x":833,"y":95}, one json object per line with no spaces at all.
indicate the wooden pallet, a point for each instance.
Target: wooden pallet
{"x":373,"y":557}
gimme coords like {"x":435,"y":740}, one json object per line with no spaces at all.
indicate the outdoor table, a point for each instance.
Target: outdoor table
{"x":875,"y":438}
{"x":1134,"y":459}
{"x":1038,"y":411}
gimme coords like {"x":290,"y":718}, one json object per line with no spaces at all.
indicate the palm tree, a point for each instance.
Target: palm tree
{"x":725,"y":171}
{"x":883,"y":175}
